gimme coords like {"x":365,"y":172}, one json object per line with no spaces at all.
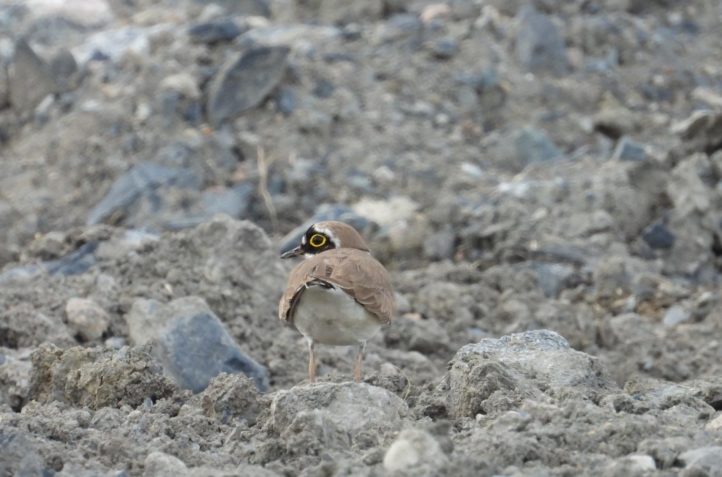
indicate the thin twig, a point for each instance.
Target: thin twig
{"x":263,"y":187}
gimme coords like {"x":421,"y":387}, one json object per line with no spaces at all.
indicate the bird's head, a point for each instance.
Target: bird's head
{"x":327,"y":235}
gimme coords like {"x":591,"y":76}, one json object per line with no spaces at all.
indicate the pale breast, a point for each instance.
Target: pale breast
{"x":331,"y":316}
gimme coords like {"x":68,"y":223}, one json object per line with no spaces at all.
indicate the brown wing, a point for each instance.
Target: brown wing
{"x":354,"y":271}
{"x":300,"y":277}
{"x":297,"y":280}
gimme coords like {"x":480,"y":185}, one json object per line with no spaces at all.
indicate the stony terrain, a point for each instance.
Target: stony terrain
{"x":542,"y":178}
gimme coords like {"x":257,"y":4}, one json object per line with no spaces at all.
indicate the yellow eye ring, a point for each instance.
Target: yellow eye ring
{"x":317,"y":240}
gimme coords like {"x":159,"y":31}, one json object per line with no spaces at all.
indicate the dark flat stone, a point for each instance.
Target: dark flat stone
{"x":214,"y":31}
{"x":245,"y":83}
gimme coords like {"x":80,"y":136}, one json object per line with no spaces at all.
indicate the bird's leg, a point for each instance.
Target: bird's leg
{"x":311,"y":362}
{"x":359,"y":362}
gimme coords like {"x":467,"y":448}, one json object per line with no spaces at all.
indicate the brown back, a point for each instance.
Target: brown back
{"x":354,"y":271}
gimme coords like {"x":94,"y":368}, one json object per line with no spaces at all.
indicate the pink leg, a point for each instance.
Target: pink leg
{"x":358,"y":364}
{"x":311,"y":362}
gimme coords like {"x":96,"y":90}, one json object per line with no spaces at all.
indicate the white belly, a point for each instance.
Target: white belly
{"x":330,"y":316}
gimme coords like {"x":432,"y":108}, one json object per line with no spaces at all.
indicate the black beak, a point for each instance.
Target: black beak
{"x":294,"y":252}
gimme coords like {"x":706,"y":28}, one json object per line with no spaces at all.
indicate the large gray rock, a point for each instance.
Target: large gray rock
{"x":496,"y":374}
{"x":192,"y":343}
{"x":335,"y":416}
{"x":245,"y":82}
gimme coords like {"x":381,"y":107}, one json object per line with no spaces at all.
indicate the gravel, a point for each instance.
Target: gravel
{"x":542,"y":180}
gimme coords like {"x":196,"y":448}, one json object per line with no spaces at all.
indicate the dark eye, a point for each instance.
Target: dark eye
{"x":317,"y":240}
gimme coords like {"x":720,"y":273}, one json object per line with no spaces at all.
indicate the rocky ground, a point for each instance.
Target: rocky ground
{"x":542,"y":178}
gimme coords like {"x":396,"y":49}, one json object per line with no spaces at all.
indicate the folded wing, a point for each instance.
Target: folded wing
{"x":353,"y":271}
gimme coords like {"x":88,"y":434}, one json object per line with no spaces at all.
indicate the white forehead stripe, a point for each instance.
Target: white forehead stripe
{"x":328,"y":234}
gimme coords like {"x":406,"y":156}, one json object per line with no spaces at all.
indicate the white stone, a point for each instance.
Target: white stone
{"x":159,"y":464}
{"x":82,"y":12}
{"x":715,"y":424}
{"x":117,"y":42}
{"x":86,"y":318}
{"x":413,"y":447}
{"x":692,"y":123}
{"x":641,"y":462}
{"x":387,"y":212}
{"x":675,"y":315}
{"x":401,"y":454}
{"x":183,"y":83}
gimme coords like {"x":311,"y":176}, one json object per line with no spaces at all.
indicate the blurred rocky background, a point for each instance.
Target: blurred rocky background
{"x":542,"y":178}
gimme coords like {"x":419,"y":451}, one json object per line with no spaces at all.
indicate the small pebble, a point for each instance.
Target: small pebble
{"x":715,"y":424}
{"x":86,"y":318}
{"x":115,"y":342}
{"x":214,"y":31}
{"x":445,"y":48}
{"x":629,"y":150}
{"x":675,"y":315}
{"x":658,"y":236}
{"x":413,"y":447}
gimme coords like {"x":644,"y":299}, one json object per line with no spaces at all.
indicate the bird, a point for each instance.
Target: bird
{"x":339,"y":294}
